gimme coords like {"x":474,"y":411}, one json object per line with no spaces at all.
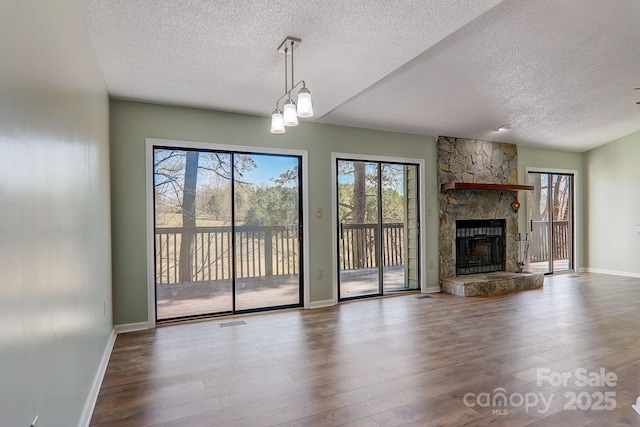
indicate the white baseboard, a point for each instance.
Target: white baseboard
{"x":90,"y":403}
{"x":433,"y":289}
{"x":610,"y":272}
{"x":322,"y":304}
{"x":131,"y":327}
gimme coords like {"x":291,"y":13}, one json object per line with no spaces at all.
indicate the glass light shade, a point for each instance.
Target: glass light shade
{"x":290,"y":114}
{"x":277,"y":122}
{"x":305,"y":108}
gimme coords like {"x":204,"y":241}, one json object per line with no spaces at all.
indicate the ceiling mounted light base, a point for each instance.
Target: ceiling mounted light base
{"x":287,"y":44}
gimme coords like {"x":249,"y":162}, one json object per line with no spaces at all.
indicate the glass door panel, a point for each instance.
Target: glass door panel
{"x":562,"y":231}
{"x":400,"y":230}
{"x":550,"y":215}
{"x":538,"y":214}
{"x":378,"y":228}
{"x":358,"y":229}
{"x":192,"y":233}
{"x":267,"y":247}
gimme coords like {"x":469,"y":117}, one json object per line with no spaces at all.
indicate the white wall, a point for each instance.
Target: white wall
{"x":613,"y":206}
{"x":55,"y":250}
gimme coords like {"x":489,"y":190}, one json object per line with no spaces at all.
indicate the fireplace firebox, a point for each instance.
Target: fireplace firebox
{"x":480,"y":246}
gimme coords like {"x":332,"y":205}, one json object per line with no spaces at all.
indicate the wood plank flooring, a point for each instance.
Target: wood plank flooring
{"x":395,"y":361}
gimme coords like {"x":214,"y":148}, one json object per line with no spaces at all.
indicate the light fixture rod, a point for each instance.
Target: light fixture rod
{"x":292,"y":79}
{"x":286,"y":81}
{"x":287,"y":47}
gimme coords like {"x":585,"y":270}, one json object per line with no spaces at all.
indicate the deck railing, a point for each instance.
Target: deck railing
{"x":358,"y":245}
{"x":260,"y":251}
{"x":560,"y":245}
{"x":265,"y":250}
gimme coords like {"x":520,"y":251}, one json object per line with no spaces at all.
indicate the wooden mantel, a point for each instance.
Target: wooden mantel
{"x":480,"y":186}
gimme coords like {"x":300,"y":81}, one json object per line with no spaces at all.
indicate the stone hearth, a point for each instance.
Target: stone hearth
{"x":480,"y":162}
{"x":472,"y":285}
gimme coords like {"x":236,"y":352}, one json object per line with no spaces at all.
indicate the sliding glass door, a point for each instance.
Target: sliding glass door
{"x":267,"y":211}
{"x":550,"y":216}
{"x":378,"y":228}
{"x":227,"y":227}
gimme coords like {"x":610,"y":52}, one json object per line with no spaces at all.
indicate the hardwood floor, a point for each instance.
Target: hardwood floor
{"x":395,"y":361}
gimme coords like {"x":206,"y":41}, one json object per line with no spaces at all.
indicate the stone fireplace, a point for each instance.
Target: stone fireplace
{"x":478,"y":225}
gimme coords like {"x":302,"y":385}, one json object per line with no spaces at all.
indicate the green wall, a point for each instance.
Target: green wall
{"x":55,"y":249}
{"x":613,"y":203}
{"x":553,"y":160}
{"x":132,"y":122}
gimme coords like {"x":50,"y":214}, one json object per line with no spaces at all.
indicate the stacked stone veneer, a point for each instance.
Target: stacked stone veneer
{"x":468,"y":160}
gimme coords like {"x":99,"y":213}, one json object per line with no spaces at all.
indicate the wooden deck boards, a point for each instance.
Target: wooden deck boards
{"x":177,"y":300}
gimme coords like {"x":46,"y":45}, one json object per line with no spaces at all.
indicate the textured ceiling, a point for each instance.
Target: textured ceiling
{"x":560,"y":72}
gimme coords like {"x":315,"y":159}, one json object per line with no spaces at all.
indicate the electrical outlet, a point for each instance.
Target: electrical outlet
{"x":319,"y":213}
{"x":319,"y":274}
{"x":430,"y":264}
{"x":428,"y":212}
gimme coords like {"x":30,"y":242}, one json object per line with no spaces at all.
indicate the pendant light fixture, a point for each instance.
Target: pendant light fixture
{"x":304,"y":108}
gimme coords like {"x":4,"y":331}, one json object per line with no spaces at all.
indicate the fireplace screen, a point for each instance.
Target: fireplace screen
{"x":479,"y":246}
